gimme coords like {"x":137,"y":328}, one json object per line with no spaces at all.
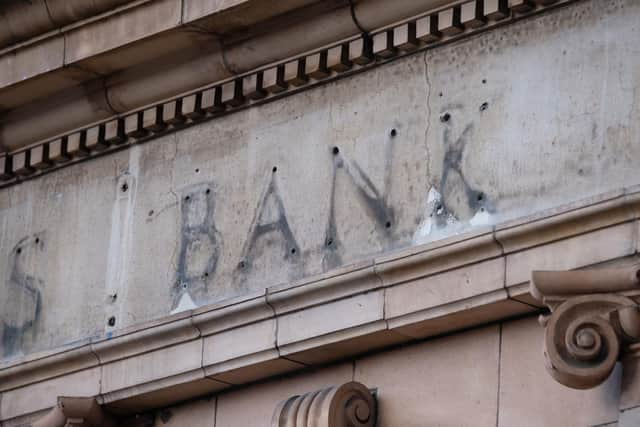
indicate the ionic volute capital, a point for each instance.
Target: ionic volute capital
{"x":594,"y":317}
{"x":348,"y":405}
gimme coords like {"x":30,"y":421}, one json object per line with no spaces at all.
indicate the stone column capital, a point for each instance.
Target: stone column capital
{"x":348,"y":405}
{"x":594,"y":321}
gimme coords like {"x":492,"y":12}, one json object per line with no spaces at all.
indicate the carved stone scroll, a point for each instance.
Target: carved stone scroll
{"x":348,"y":405}
{"x":76,"y":412}
{"x":594,"y":318}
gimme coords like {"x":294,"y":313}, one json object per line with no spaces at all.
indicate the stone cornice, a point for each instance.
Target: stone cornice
{"x":264,"y":84}
{"x":348,"y":311}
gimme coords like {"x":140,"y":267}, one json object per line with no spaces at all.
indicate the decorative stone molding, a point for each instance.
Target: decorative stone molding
{"x":348,"y":405}
{"x":594,"y":319}
{"x":76,"y":412}
{"x":262,"y":84}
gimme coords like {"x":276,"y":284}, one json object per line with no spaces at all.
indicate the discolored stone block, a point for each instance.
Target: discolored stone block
{"x":472,"y":14}
{"x":316,"y":65}
{"x":521,"y":6}
{"x":252,"y":86}
{"x":96,"y":138}
{"x":6,"y":167}
{"x":133,"y":125}
{"x":21,"y":163}
{"x":192,"y":106}
{"x":40,"y":157}
{"x":383,"y":46}
{"x":152,"y":119}
{"x":58,"y":151}
{"x":172,"y":113}
{"x":273,"y":79}
{"x":361,"y":50}
{"x":427,"y":29}
{"x":449,"y":21}
{"x":496,"y":9}
{"x":232,"y":93}
{"x":338,"y":58}
{"x":404,"y":37}
{"x":114,"y":131}
{"x":294,"y":72}
{"x":76,"y":144}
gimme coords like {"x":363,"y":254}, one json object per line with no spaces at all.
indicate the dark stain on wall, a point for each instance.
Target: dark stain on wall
{"x":270,"y":220}
{"x":200,"y":245}
{"x":22,"y":298}
{"x":370,"y":197}
{"x":453,"y":182}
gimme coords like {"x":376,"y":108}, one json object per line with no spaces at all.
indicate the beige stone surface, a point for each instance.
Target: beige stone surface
{"x":121,"y":29}
{"x":451,"y":381}
{"x":152,"y":366}
{"x":253,"y":406}
{"x":327,"y":318}
{"x":239,"y":342}
{"x":42,"y":395}
{"x":590,"y":248}
{"x":443,"y":288}
{"x":529,"y":396}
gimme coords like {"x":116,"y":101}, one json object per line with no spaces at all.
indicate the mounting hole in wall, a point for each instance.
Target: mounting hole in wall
{"x":124,"y":187}
{"x":293,"y":251}
{"x":329,"y":242}
{"x":197,"y":170}
{"x":207,"y":191}
{"x":484,"y":106}
{"x":393,"y":132}
{"x":112,"y":321}
{"x":37,"y":240}
{"x":19,"y":250}
{"x":388,"y":224}
{"x":445,"y":117}
{"x":187,"y":198}
{"x":336,"y":151}
{"x":274,"y":169}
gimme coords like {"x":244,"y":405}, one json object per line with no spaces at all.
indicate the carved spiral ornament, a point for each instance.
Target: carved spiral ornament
{"x":348,"y":405}
{"x":583,"y":340}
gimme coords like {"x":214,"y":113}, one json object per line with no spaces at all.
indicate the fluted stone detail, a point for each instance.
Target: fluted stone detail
{"x":348,"y":405}
{"x":594,"y":318}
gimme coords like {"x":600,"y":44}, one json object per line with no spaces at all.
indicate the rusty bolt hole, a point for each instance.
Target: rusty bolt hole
{"x":112,"y":321}
{"x":124,"y":187}
{"x":445,"y":117}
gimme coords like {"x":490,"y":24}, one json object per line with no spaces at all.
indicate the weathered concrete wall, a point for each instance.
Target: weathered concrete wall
{"x":492,"y":376}
{"x":501,"y":125}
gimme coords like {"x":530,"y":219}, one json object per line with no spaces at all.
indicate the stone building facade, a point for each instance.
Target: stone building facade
{"x":226,"y":213}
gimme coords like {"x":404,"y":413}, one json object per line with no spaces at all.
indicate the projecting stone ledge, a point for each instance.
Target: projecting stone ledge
{"x":458,"y":283}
